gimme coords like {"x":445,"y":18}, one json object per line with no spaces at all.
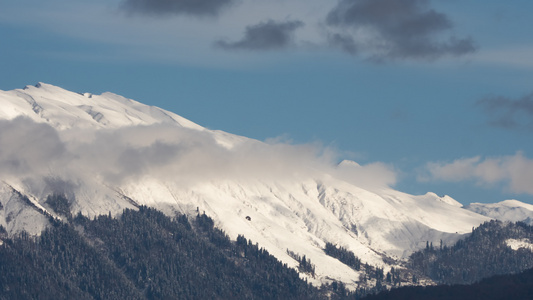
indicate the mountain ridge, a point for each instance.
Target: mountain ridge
{"x":508,"y":210}
{"x":107,"y":153}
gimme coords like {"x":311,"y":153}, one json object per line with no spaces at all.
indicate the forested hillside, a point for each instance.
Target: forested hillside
{"x":486,"y":252}
{"x":501,"y":287}
{"x":142,"y":255}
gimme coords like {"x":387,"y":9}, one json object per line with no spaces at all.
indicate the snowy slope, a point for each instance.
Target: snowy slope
{"x":107,"y":153}
{"x":508,"y":210}
{"x":64,"y":109}
{"x":17,"y":213}
{"x":519,"y":244}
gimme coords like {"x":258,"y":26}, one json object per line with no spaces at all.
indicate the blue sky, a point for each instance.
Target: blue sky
{"x":440,"y":91}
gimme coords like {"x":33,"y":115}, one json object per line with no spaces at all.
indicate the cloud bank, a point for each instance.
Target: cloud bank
{"x":514,"y":171}
{"x":26,"y":147}
{"x":68,"y":159}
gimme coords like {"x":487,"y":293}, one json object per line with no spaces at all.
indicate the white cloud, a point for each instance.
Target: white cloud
{"x":515,"y":171}
{"x":27,"y":147}
{"x":457,"y":170}
{"x":372,"y":175}
{"x":34,"y":152}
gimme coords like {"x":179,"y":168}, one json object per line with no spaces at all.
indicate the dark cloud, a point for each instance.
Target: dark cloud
{"x":398,"y":29}
{"x":269,"y":35}
{"x":344,"y":42}
{"x":176,"y":7}
{"x":509,"y":113}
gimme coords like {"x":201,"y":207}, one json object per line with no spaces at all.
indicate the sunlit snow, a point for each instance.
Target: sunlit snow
{"x":106,"y":153}
{"x":519,"y":244}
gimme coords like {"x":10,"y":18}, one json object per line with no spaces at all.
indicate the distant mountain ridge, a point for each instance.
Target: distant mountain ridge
{"x":508,"y":210}
{"x":106,"y":153}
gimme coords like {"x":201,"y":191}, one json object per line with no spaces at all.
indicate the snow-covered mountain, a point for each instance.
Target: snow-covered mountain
{"x":107,"y":153}
{"x":508,"y":210}
{"x":62,"y":109}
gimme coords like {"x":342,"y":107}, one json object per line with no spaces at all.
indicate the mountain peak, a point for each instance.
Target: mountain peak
{"x":508,"y":210}
{"x":62,"y":109}
{"x":44,"y":86}
{"x":181,"y":166}
{"x":516,"y":203}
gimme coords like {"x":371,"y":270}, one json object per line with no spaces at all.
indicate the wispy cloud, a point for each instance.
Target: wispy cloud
{"x":391,"y":29}
{"x":518,"y":56}
{"x":515,"y":171}
{"x":270,"y":35}
{"x":372,"y":175}
{"x":176,"y":7}
{"x":509,"y":113}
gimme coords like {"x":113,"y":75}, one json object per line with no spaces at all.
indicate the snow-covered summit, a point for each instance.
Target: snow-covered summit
{"x":508,"y":210}
{"x":63,"y":109}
